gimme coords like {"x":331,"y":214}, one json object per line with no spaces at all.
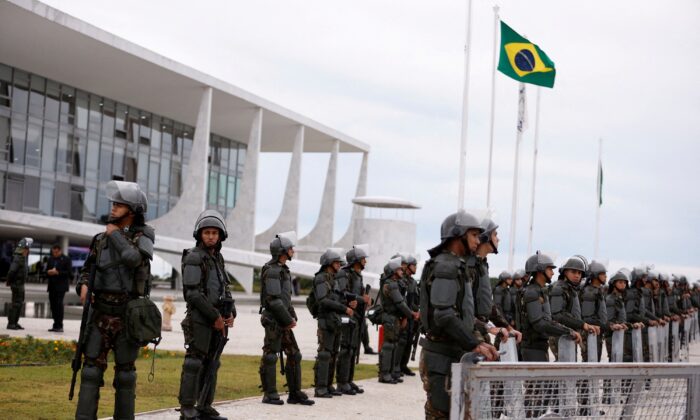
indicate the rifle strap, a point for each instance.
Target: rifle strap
{"x":152,"y":373}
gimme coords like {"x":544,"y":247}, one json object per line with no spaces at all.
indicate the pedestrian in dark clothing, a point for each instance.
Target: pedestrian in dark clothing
{"x":58,"y":271}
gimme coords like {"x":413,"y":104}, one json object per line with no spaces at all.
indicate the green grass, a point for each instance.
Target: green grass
{"x":41,"y":392}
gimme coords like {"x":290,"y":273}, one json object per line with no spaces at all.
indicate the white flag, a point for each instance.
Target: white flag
{"x":522,"y":108}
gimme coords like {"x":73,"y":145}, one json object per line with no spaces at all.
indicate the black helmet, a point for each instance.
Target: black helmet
{"x":455,"y":226}
{"x":282,"y":243}
{"x":538,"y":263}
{"x":596,"y":268}
{"x":575,"y":263}
{"x":357,"y":253}
{"x":212,"y":219}
{"x":504,"y":276}
{"x":128,"y":193}
{"x":489,"y":227}
{"x":330,"y":256}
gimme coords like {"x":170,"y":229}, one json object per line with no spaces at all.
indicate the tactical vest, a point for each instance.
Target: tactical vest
{"x":112,"y":275}
{"x":285,"y":280}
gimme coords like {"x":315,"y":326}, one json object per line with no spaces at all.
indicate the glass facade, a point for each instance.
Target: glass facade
{"x":59,"y":146}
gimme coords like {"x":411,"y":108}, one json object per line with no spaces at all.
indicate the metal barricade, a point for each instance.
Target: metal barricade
{"x":567,"y":354}
{"x":653,"y":344}
{"x":637,"y":352}
{"x":676,"y":394}
{"x":675,"y":341}
{"x":618,"y":346}
{"x":685,"y":353}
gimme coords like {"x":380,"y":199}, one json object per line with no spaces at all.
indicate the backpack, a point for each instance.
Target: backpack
{"x":311,"y":303}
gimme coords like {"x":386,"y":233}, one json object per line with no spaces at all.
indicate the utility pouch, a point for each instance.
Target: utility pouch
{"x":143,"y":321}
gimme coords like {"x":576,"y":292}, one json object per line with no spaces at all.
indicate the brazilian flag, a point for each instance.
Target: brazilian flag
{"x":524,"y":61}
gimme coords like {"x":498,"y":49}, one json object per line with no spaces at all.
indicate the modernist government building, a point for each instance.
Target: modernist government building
{"x":80,"y":107}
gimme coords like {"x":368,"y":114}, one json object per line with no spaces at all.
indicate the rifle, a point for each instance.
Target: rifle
{"x":361,"y":324}
{"x":414,"y":343}
{"x":215,"y":355}
{"x":77,"y":361}
{"x":410,"y":297}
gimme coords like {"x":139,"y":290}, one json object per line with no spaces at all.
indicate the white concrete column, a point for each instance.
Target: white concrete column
{"x":321,"y":236}
{"x":65,"y":243}
{"x":241,"y":221}
{"x":178,"y":222}
{"x":358,"y":212}
{"x":289,"y":216}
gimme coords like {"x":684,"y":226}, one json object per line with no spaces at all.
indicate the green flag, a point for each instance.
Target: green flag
{"x":524,"y":61}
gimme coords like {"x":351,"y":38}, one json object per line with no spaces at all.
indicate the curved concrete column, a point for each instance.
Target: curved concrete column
{"x":179,"y":220}
{"x":321,"y":236}
{"x":348,"y":240}
{"x":241,"y":221}
{"x":289,"y":216}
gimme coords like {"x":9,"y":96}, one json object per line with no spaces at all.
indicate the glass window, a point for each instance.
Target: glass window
{"x":13,"y":197}
{"x":63,"y":155}
{"x":20,"y":99}
{"x":130,"y":169}
{"x":36,"y":96}
{"x":89,"y":208}
{"x":79,"y":151}
{"x":102,"y":206}
{"x":5,"y":73}
{"x":19,"y":134}
{"x":231,"y":193}
{"x":213,"y":188}
{"x":33,"y":145}
{"x":134,"y":131}
{"x":233,"y":162}
{"x":93,"y":155}
{"x":153,"y":173}
{"x":48,"y":150}
{"x":164,"y":175}
{"x":118,"y":165}
{"x":31,"y":193}
{"x":121,"y":115}
{"x":46,"y":197}
{"x":167,"y":142}
{"x":222,"y":189}
{"x":142,"y":172}
{"x":67,"y":104}
{"x":77,"y":203}
{"x":95,"y":114}
{"x":2,"y":190}
{"x":82,"y":107}
{"x":105,"y":163}
{"x":155,"y":132}
{"x":53,"y":101}
{"x":145,"y":130}
{"x":175,"y":181}
{"x":61,"y":199}
{"x":108,"y":117}
{"x":162,"y":206}
{"x":4,"y":139}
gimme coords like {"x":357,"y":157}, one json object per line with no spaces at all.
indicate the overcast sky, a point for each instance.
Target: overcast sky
{"x":390,"y":73}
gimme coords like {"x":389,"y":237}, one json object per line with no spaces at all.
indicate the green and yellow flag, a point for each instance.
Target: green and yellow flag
{"x":524,"y":61}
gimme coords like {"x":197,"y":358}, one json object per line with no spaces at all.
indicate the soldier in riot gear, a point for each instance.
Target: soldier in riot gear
{"x":643,"y":283}
{"x":350,"y":283}
{"x":413,"y":327}
{"x":16,"y":277}
{"x":502,"y":297}
{"x":394,"y":319}
{"x":538,"y":326}
{"x":278,"y":317}
{"x":593,"y":307}
{"x":206,"y":289}
{"x":616,"y":316}
{"x":564,"y":298}
{"x":120,"y":260}
{"x":662,"y":310}
{"x":519,"y":277}
{"x":331,"y":305}
{"x":447,"y":310}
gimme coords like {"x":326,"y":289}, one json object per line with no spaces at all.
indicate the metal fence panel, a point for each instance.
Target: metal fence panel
{"x":618,"y":346}
{"x":592,"y":347}
{"x":652,"y":342}
{"x":676,"y":343}
{"x":637,"y":353}
{"x":567,"y":349}
{"x":602,"y":390}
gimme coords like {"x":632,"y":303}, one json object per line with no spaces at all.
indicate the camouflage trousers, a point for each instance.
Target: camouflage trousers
{"x":435,"y":373}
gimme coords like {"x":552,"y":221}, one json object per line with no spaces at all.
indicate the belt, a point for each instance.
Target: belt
{"x":441,"y":348}
{"x":111,"y":303}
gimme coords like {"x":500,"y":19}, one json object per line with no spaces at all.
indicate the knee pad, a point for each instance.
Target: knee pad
{"x":191,"y":365}
{"x":125,"y":379}
{"x":270,"y":359}
{"x":295,"y":357}
{"x":324,"y":356}
{"x":388,"y":346}
{"x":91,"y":374}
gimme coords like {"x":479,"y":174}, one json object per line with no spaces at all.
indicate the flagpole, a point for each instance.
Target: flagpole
{"x":514,"y":206}
{"x":465,"y":111}
{"x":598,"y":198}
{"x":534,"y":173}
{"x":496,"y":20}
